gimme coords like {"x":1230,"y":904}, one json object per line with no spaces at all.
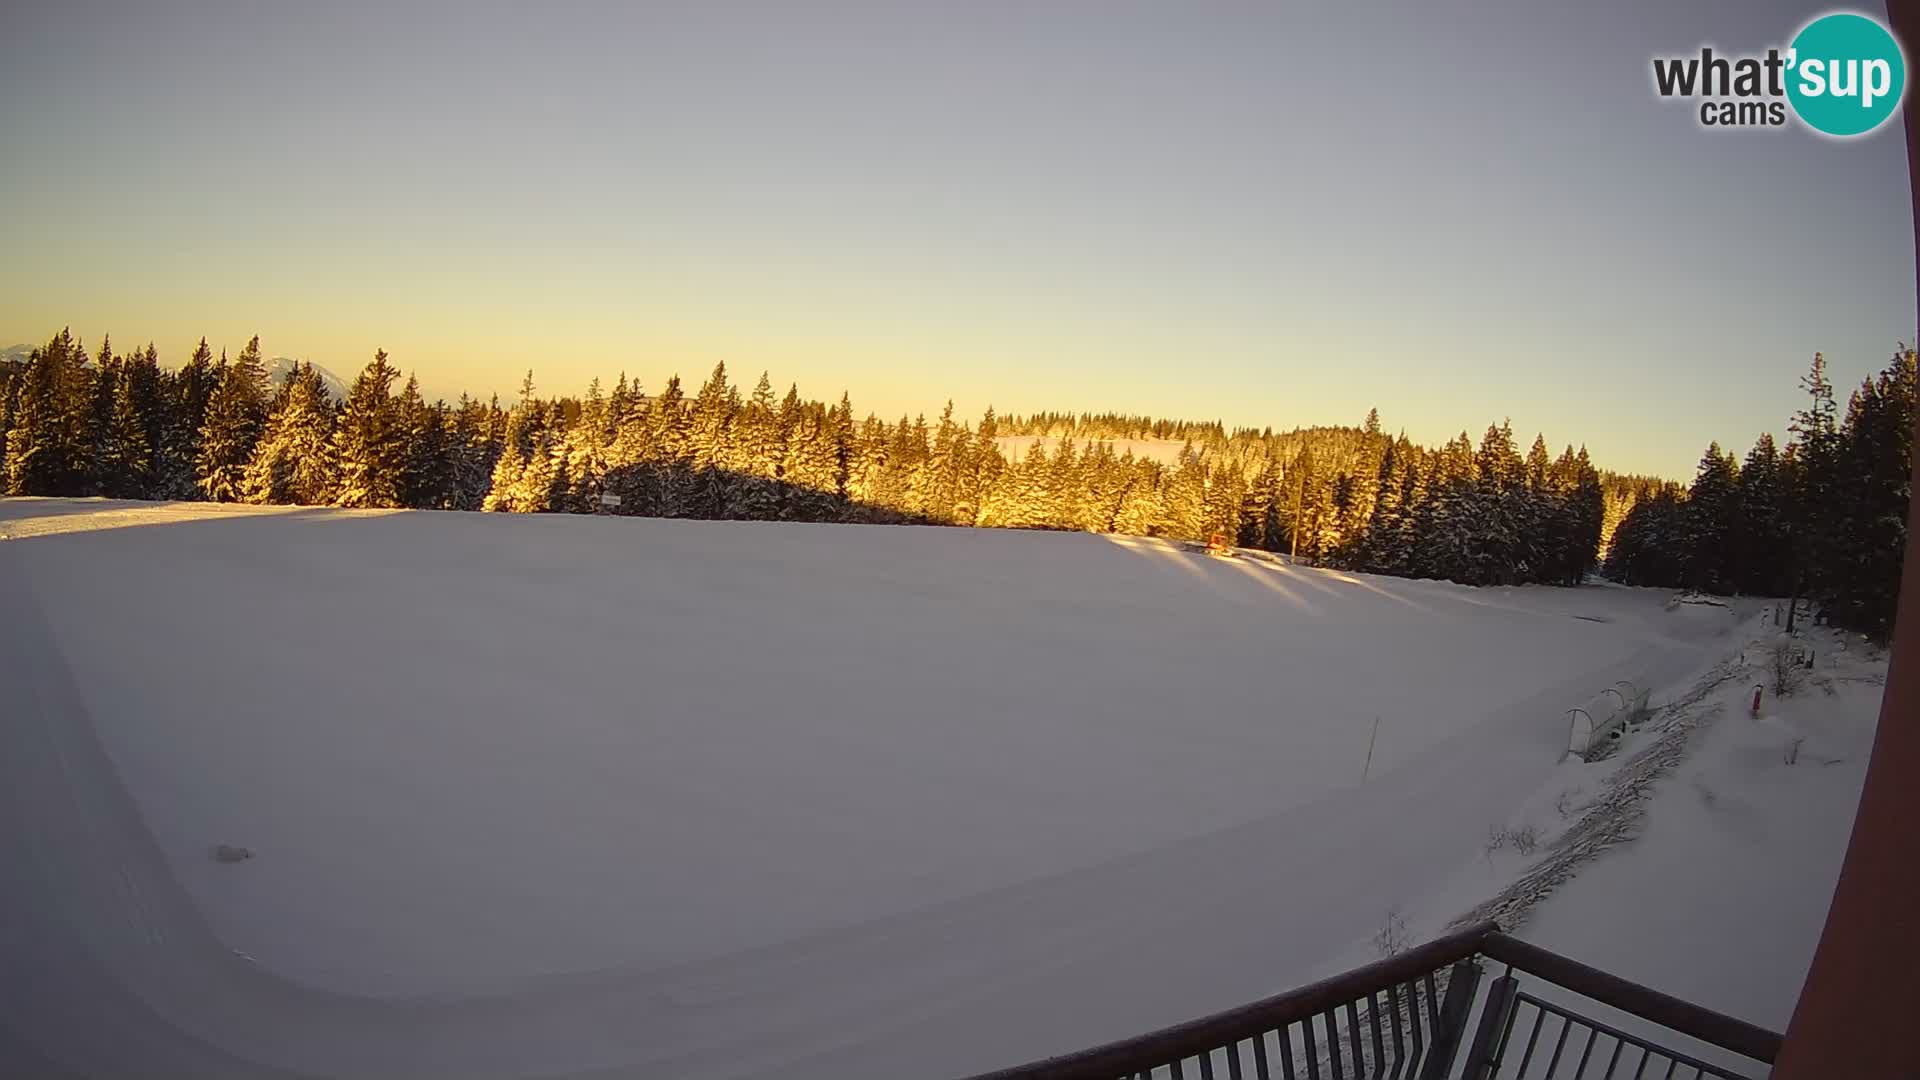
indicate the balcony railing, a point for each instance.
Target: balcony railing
{"x":1407,"y":1018}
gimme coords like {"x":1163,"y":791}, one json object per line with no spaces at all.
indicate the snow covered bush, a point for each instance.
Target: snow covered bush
{"x":1785,"y":666}
{"x":1392,"y":937}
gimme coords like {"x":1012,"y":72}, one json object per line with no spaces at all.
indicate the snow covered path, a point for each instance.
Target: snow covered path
{"x":835,"y":883}
{"x":1734,"y":868}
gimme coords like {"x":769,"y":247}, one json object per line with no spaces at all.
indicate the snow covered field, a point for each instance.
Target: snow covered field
{"x":552,"y":795}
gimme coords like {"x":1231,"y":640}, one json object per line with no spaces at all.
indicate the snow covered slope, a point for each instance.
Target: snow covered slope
{"x":1735,"y":864}
{"x":537,"y":796}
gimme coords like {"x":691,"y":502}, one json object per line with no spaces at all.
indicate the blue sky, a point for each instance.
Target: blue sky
{"x":1264,"y":213}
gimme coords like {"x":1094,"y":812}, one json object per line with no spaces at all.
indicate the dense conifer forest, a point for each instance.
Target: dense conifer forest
{"x":1823,"y":517}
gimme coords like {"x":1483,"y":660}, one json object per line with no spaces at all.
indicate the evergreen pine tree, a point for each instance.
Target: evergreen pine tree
{"x":1225,"y":489}
{"x":1183,"y":499}
{"x":944,"y":462}
{"x":9,"y":404}
{"x":1815,"y":476}
{"x":586,"y":452}
{"x":94,"y":430}
{"x":671,"y":424}
{"x":126,"y":459}
{"x":294,"y":461}
{"x":845,"y":440}
{"x":1711,"y":515}
{"x":1065,"y":487}
{"x":760,"y":445}
{"x":47,"y":451}
{"x":475,"y":452}
{"x":710,"y":442}
{"x":987,"y":464}
{"x":429,"y":477}
{"x":370,"y":441}
{"x":236,"y":416}
{"x":1874,"y":457}
{"x":1759,"y":542}
{"x":811,"y":465}
{"x":184,"y":412}
{"x":541,"y":482}
{"x":1139,"y":508}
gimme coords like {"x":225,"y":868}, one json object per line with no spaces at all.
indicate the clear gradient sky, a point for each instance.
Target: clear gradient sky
{"x":1266,"y":213}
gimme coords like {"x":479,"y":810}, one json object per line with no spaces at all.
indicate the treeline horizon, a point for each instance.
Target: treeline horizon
{"x":1824,"y":518}
{"x":1350,"y":497}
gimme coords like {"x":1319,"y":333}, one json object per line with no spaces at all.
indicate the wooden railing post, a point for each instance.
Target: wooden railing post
{"x":1462,"y":984}
{"x":1483,"y":1055}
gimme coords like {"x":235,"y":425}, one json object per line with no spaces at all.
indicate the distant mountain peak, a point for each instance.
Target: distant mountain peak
{"x":278,"y":367}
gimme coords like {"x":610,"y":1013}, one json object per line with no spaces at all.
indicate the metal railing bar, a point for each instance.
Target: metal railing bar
{"x":1533,"y":1040}
{"x":1433,"y":1011}
{"x":1207,"y":1032}
{"x":1427,"y":1044}
{"x":1353,"y":1040}
{"x":1560,"y":1044}
{"x":1492,"y":1032}
{"x":1413,"y":1022}
{"x":1580,"y":1070}
{"x":1379,"y":1037}
{"x":1618,"y":1045}
{"x":1676,"y":1056}
{"x":1463,"y":985}
{"x":1399,"y":1044}
{"x":1312,"y":1052}
{"x":1704,"y":1024}
{"x":1329,"y":1019}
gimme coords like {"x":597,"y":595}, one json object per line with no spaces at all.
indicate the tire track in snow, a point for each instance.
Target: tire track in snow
{"x":1617,"y":815}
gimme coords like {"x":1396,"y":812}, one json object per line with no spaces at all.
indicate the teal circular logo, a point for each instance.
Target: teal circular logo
{"x":1845,"y":74}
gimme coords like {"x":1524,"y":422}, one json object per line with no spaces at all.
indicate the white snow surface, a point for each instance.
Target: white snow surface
{"x":1720,"y":895}
{"x":1722,"y":899}
{"x":566,"y":795}
{"x":1714,"y":871}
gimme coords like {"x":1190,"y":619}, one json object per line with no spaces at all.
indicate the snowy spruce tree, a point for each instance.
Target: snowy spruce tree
{"x":294,"y":460}
{"x":429,"y":472}
{"x":370,"y":441}
{"x":523,"y":425}
{"x":236,"y":416}
{"x":51,"y":430}
{"x":670,"y":434}
{"x":183,"y":411}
